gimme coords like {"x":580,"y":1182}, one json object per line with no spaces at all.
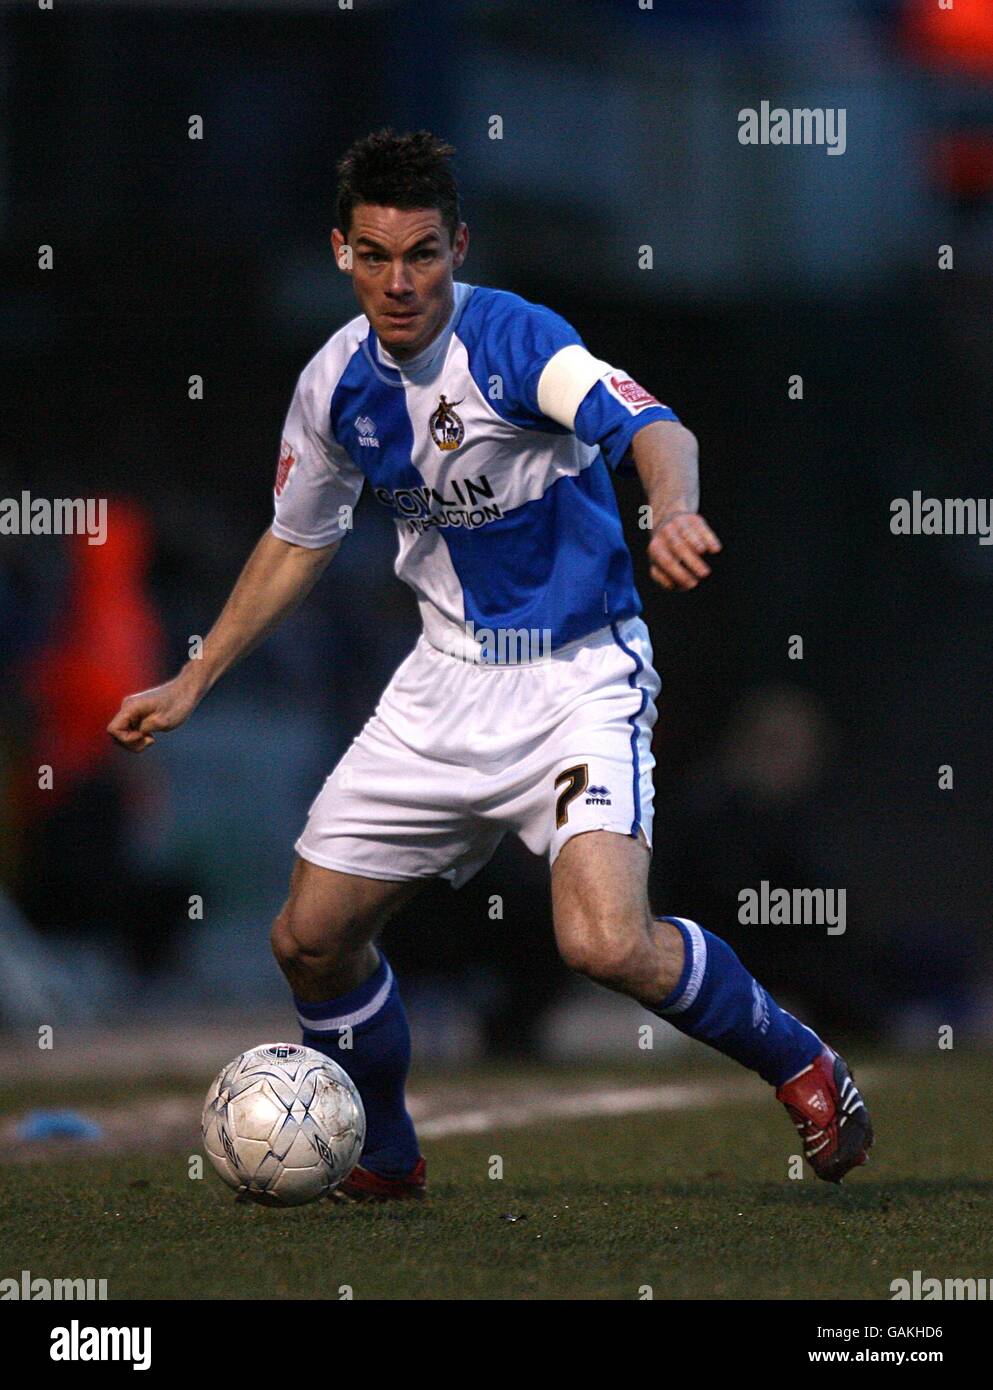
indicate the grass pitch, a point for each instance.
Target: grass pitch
{"x":693,"y":1203}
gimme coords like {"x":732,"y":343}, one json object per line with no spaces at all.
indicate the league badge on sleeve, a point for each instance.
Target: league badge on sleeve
{"x":629,"y":393}
{"x":287,"y":459}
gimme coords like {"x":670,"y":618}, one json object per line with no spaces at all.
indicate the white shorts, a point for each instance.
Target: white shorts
{"x":457,"y":754}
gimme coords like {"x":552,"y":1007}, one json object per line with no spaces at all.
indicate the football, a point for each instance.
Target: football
{"x":283,"y":1124}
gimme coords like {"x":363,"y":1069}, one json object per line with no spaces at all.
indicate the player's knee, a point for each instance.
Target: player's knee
{"x":286,"y":946}
{"x":300,"y":945}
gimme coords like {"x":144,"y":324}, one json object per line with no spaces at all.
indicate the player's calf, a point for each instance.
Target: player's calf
{"x":627,"y":955}
{"x":603,"y":927}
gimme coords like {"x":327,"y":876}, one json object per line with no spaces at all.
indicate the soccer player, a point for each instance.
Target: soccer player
{"x":489,"y":431}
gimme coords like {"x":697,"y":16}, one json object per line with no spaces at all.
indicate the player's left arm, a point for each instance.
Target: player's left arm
{"x":554,"y":377}
{"x":665,"y":455}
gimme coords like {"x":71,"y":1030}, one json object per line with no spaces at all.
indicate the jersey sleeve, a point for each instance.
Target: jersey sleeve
{"x":549,"y":380}
{"x":613,"y":411}
{"x":533,"y":336}
{"x":601,"y":404}
{"x":315,"y":478}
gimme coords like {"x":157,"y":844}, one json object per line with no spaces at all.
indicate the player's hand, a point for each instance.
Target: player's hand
{"x":142,"y":716}
{"x":677,"y":548}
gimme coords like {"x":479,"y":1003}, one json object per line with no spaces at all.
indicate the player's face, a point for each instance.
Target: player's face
{"x":402,"y":266}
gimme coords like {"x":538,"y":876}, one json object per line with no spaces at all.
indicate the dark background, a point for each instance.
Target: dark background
{"x":174,"y":257}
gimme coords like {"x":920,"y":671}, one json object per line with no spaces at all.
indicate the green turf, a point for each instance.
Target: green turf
{"x":696,"y":1204}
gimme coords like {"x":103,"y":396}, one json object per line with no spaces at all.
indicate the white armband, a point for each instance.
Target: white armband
{"x":565,"y":381}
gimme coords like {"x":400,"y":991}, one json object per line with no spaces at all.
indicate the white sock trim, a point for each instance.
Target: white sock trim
{"x":330,"y":1025}
{"x":698,"y":945}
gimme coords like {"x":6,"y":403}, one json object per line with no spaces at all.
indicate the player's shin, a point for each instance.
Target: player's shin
{"x":718,"y":1002}
{"x":366,"y":1032}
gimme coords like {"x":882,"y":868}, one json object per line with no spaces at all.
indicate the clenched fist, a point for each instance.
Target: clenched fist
{"x":676,"y":550}
{"x":164,"y":707}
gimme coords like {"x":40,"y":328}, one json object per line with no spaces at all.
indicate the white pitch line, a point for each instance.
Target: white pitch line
{"x":519,"y":1112}
{"x":166,"y":1122}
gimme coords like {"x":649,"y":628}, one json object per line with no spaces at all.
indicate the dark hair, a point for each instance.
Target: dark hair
{"x":399,"y":171}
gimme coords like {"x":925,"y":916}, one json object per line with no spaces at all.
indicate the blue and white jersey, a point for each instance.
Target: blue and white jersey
{"x":492,"y":449}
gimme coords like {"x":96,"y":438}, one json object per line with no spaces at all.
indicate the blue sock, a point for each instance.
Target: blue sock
{"x":719,"y":1003}
{"x":377,"y":1062}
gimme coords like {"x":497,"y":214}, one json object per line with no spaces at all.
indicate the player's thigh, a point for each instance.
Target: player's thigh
{"x":600,"y":899}
{"x":329,"y":911}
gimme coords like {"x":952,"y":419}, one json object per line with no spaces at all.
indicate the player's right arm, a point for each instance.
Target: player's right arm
{"x":277,"y":576}
{"x":316,"y":489}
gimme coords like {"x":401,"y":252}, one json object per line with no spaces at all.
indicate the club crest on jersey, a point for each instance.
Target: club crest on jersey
{"x":287,"y":459}
{"x":447,"y":429}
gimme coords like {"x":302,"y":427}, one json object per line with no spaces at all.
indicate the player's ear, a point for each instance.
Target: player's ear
{"x":342,"y":251}
{"x":460,"y":246}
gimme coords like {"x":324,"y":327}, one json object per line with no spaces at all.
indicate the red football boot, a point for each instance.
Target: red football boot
{"x":830,"y":1114}
{"x":363,"y":1186}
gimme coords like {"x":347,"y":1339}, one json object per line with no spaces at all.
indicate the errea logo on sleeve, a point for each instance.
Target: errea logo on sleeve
{"x":629,"y":393}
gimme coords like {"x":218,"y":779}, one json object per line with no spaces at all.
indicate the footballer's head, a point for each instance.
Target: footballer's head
{"x":400,"y":235}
